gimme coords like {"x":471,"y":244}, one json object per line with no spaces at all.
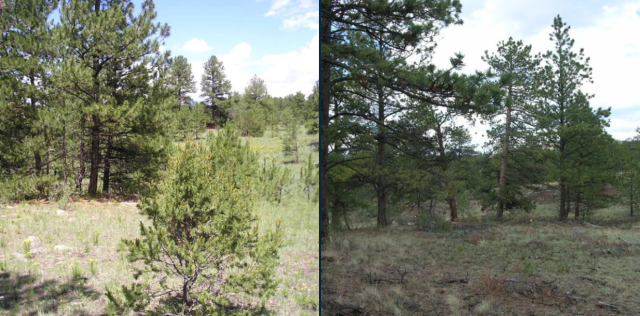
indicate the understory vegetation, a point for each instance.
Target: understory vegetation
{"x":61,"y":257}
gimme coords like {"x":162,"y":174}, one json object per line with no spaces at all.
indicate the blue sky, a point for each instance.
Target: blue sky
{"x":607,"y":30}
{"x":275,"y":39}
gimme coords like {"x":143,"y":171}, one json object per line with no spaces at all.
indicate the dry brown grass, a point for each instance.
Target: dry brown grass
{"x":514,"y":268}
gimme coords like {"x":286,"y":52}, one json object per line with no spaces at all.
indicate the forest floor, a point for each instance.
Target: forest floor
{"x":73,"y":255}
{"x":527,"y":265}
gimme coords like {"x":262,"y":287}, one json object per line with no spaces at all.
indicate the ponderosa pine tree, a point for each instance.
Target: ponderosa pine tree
{"x":256,"y":90}
{"x":203,"y":232}
{"x":516,"y":68}
{"x":563,"y":105}
{"x":24,"y":58}
{"x":215,"y":88}
{"x":95,"y":38}
{"x":629,"y":175}
{"x":408,"y":26}
{"x":181,"y":80}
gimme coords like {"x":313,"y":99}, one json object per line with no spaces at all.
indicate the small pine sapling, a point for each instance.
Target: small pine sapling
{"x":201,"y":253}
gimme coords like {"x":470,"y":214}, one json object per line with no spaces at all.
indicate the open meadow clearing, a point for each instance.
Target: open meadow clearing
{"x":58,"y":258}
{"x":528,"y":265}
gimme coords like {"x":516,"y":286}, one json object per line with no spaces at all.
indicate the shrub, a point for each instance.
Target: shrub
{"x":202,"y":245}
{"x":274,"y":181}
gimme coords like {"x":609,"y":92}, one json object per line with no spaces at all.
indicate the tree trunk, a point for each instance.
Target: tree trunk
{"x":631,"y":197}
{"x":577,"y":206}
{"x":185,"y":292}
{"x":382,"y":179}
{"x":451,"y":197}
{"x":563,"y":198}
{"x":95,"y":156}
{"x":505,"y":155}
{"x":568,"y":197}
{"x":36,"y":153}
{"x":64,"y":153}
{"x":107,"y":166}
{"x":325,"y":96}
{"x":453,"y":209}
{"x":81,"y":158}
{"x":95,"y":129}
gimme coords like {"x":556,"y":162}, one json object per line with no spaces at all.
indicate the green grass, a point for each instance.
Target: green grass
{"x":528,"y":265}
{"x":73,"y":280}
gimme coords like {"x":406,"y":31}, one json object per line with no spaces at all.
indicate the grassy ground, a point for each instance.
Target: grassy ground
{"x":60,"y":263}
{"x":529,"y":265}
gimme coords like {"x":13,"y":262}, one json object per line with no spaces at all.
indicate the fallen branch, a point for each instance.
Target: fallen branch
{"x":608,"y":306}
{"x":592,"y":280}
{"x":457,"y":280}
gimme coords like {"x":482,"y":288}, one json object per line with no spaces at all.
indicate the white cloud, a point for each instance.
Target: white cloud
{"x":284,"y":74}
{"x":195,"y":45}
{"x":309,"y":20}
{"x":292,"y":71}
{"x":236,"y":63}
{"x":295,"y":14}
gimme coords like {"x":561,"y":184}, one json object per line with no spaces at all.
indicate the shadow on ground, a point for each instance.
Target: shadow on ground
{"x":27,"y":295}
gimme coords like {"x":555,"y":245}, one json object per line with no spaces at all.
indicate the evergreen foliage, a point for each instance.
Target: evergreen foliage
{"x":202,"y":244}
{"x":274,"y":181}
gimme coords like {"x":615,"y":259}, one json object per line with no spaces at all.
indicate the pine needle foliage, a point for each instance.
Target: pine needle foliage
{"x":202,"y":253}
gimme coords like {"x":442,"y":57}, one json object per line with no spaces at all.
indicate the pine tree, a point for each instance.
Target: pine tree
{"x":24,"y":60}
{"x":403,"y":25}
{"x":312,"y":121}
{"x":564,"y":109}
{"x":101,"y":42}
{"x":181,"y":80}
{"x":308,"y":176}
{"x":203,"y":232}
{"x":290,"y":146}
{"x":274,"y":180}
{"x":215,"y":88}
{"x":256,"y":90}
{"x":516,"y":68}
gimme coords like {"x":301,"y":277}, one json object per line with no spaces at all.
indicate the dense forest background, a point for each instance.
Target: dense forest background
{"x":396,"y":128}
{"x":90,"y":105}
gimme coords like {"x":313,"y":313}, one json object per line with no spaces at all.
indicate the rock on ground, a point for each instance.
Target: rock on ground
{"x":62,"y":248}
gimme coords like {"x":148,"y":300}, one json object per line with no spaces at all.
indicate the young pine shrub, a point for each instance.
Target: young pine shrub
{"x":274,"y":181}
{"x":290,"y":137}
{"x":202,"y":253}
{"x":309,"y":177}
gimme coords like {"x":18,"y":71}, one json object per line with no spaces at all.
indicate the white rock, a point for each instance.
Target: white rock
{"x":35,"y":241}
{"x":61,"y":213}
{"x":20,"y":256}
{"x":62,"y":248}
